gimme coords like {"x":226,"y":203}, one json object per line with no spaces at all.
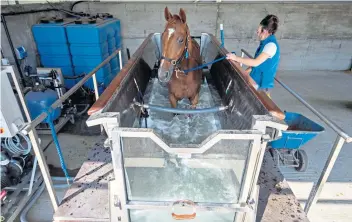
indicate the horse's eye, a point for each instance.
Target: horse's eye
{"x":180,"y":40}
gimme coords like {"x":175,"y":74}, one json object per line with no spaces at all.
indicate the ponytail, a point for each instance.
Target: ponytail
{"x":270,"y":23}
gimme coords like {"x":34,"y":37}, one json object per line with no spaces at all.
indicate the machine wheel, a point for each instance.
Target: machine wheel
{"x":302,"y":157}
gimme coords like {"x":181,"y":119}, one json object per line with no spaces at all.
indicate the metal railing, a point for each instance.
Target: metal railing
{"x":341,"y":138}
{"x":31,"y":131}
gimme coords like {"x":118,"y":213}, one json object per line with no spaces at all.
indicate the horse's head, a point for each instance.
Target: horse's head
{"x":174,"y":43}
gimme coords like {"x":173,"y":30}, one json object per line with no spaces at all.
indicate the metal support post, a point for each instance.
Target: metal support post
{"x":120,"y":191}
{"x":316,"y":190}
{"x":95,"y":83}
{"x":43,"y":168}
{"x":96,"y":92}
{"x":120,"y":59}
{"x":222,"y":36}
{"x":242,"y":55}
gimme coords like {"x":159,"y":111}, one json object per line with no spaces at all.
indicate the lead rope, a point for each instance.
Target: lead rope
{"x":204,"y":65}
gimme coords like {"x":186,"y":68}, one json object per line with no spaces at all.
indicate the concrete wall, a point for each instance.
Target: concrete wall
{"x":312,"y":36}
{"x":19,"y":27}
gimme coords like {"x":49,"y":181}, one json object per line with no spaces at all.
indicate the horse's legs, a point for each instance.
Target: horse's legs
{"x":194,"y":101}
{"x":173,"y":101}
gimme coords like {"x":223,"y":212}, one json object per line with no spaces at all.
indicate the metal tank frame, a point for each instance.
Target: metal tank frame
{"x":115,"y":111}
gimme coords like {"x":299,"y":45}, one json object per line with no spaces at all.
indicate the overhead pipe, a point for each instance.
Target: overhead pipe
{"x":28,"y":12}
{"x":3,"y":21}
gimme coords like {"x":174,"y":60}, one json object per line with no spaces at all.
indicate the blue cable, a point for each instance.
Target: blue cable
{"x":57,"y":145}
{"x":206,"y":64}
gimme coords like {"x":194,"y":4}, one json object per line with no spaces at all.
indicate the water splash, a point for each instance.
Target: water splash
{"x":184,"y":129}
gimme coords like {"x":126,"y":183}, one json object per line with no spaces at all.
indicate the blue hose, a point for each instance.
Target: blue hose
{"x":184,"y":111}
{"x":57,"y":145}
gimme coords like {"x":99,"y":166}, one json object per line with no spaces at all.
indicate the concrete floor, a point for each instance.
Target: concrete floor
{"x":329,"y":92}
{"x":75,"y":141}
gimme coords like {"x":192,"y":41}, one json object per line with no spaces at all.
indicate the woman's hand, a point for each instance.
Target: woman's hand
{"x":232,"y":57}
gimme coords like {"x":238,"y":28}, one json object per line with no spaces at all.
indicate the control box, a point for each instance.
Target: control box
{"x":11,"y":118}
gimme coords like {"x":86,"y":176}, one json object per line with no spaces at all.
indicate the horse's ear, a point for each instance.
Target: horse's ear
{"x":167,"y":14}
{"x":182,"y":15}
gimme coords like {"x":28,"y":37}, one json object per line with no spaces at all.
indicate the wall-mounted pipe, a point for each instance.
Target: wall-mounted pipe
{"x":222,"y":37}
{"x":3,"y":21}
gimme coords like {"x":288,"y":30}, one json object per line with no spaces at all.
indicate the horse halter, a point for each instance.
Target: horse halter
{"x":184,"y":54}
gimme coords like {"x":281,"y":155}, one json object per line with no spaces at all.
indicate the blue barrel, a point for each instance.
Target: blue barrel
{"x":91,"y":42}
{"x":78,"y":45}
{"x":53,"y":47}
{"x":39,"y":99}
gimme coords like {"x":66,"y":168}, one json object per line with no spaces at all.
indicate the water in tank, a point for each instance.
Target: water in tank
{"x":39,"y":99}
{"x":52,"y":45}
{"x":98,"y":43}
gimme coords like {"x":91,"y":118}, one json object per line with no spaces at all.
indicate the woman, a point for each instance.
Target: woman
{"x":263,"y":67}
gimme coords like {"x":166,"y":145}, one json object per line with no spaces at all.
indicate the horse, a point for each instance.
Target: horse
{"x":179,"y":52}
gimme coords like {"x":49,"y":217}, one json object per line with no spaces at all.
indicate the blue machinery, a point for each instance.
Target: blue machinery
{"x":32,"y":132}
{"x":75,"y":46}
{"x":39,"y":99}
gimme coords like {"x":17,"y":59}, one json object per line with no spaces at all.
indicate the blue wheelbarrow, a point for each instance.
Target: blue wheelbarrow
{"x":300,"y":130}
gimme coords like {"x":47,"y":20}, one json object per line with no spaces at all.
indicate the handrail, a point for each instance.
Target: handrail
{"x":331,"y":124}
{"x":58,"y":102}
{"x":246,"y":53}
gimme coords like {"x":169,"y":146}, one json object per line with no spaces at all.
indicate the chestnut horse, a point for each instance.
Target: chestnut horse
{"x":180,"y":52}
